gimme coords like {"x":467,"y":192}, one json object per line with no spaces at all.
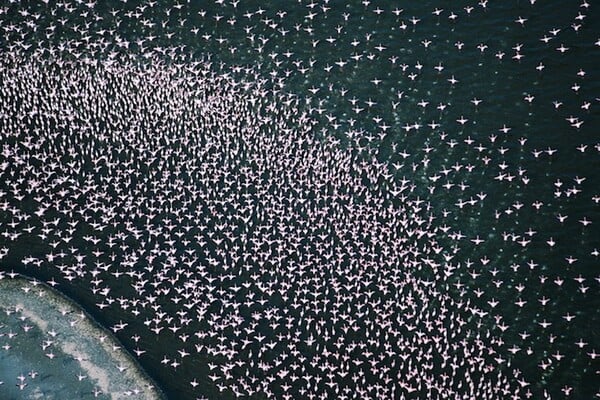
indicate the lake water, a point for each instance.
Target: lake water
{"x":490,"y":113}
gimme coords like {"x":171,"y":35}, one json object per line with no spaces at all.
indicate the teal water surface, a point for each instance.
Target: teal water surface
{"x":325,"y":199}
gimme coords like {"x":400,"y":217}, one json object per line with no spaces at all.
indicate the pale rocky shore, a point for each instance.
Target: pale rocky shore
{"x":50,"y":349}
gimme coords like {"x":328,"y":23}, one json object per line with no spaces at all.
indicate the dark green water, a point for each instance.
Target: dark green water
{"x":394,"y":69}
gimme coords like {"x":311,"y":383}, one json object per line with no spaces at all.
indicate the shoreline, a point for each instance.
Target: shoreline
{"x":74,"y":353}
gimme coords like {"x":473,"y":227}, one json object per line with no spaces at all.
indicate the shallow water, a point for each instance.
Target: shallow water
{"x":53,"y":350}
